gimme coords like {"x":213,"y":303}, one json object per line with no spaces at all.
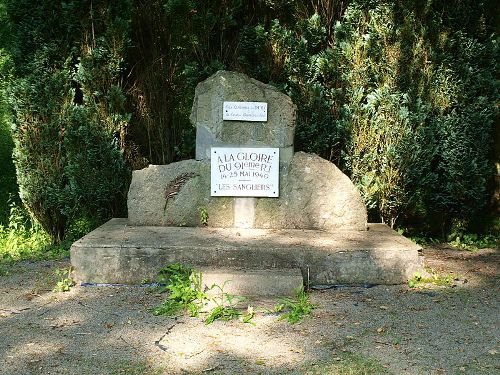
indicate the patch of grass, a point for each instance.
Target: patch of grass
{"x":419,"y":281}
{"x":135,"y":368}
{"x":4,"y":271}
{"x":23,"y":238}
{"x":348,"y":363}
{"x":295,"y":308}
{"x":474,"y":242}
{"x":463,"y":241}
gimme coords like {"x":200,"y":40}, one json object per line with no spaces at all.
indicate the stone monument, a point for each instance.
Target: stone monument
{"x":247,"y":204}
{"x":310,"y":192}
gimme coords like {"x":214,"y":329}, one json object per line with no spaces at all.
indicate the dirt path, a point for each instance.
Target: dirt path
{"x":393,"y":329}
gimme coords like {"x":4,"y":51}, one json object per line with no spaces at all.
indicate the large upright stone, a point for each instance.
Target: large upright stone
{"x":212,"y":131}
{"x":313,"y":193}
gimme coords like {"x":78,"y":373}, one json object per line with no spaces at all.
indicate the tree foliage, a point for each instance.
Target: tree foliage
{"x":69,"y":109}
{"x":443,"y":107}
{"x":402,"y":96}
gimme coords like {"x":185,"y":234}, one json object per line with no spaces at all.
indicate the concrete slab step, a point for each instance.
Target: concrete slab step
{"x":119,"y":253}
{"x":252,"y":282}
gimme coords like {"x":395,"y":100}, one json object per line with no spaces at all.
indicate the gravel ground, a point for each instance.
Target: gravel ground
{"x":393,"y":329}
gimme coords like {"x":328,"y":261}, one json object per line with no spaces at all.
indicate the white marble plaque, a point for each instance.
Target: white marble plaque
{"x":245,"y":111}
{"x":244,"y":172}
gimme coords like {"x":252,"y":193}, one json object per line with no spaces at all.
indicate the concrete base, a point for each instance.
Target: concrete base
{"x":119,"y":253}
{"x":271,"y":282}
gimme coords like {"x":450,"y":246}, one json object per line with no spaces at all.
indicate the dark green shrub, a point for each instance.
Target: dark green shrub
{"x":402,"y":96}
{"x":429,"y":152}
{"x":39,"y":154}
{"x":69,"y":109}
{"x":8,"y":185}
{"x":462,"y":131}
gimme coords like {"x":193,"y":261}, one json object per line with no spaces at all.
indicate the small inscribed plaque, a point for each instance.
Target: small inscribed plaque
{"x":244,"y":172}
{"x":245,"y":111}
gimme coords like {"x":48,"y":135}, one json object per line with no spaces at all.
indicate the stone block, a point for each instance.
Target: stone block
{"x":148,"y":205}
{"x":314,"y":194}
{"x":252,"y":282}
{"x":117,"y":252}
{"x":212,"y":131}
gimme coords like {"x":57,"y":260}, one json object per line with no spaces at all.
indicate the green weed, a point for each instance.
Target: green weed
{"x":65,"y":281}
{"x":186,"y":294}
{"x":248,"y":316}
{"x":419,"y":281}
{"x":295,"y":309}
{"x":185,"y":290}
{"x":221,"y":312}
{"x":225,"y":308}
{"x":203,"y":216}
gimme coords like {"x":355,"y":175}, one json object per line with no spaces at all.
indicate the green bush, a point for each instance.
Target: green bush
{"x":382,"y":152}
{"x":421,"y":103}
{"x":69,"y":110}
{"x":23,"y":238}
{"x":402,"y":96}
{"x":8,"y":185}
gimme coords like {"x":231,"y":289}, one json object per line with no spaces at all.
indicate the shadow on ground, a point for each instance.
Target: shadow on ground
{"x":353,"y":330}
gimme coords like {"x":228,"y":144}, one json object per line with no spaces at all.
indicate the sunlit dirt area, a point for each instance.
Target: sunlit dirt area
{"x":427,"y":329}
